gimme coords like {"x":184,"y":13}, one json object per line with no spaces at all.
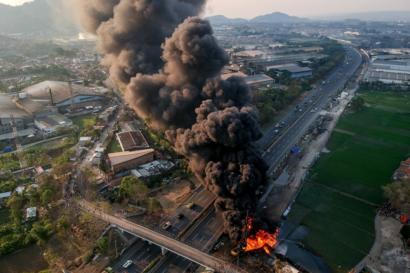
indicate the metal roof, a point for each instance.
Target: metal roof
{"x":122,"y":157}
{"x":5,"y":194}
{"x":60,"y":91}
{"x":8,"y":107}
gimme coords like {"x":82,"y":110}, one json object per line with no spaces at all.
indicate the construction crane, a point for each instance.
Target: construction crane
{"x":19,"y":147}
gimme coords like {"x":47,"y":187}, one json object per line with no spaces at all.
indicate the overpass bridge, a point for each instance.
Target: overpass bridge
{"x":188,"y":252}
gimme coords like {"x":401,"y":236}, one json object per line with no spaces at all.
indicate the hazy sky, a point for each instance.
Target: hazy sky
{"x":251,"y":8}
{"x":14,"y":2}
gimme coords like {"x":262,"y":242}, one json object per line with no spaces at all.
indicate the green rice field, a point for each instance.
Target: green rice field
{"x":339,"y":200}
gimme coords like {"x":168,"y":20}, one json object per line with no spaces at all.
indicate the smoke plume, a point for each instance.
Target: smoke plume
{"x":131,"y":31}
{"x":171,"y":65}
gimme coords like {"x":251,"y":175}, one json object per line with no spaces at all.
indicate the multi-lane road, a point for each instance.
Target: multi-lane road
{"x":202,"y":235}
{"x":279,"y":139}
{"x":141,"y":253}
{"x":275,"y":144}
{"x":188,"y":252}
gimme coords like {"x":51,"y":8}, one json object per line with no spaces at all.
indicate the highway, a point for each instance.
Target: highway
{"x":141,"y":253}
{"x":202,"y":235}
{"x":276,"y":144}
{"x":170,"y":244}
{"x":278,"y":140}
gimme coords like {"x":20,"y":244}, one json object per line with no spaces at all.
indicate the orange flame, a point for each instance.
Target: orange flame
{"x":261,"y":240}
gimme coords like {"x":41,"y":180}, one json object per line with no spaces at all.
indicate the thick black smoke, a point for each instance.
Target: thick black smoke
{"x":131,"y":32}
{"x":169,"y":98}
{"x":171,"y":64}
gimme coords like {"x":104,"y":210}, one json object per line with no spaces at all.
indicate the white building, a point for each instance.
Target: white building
{"x":31,"y":213}
{"x":52,"y":123}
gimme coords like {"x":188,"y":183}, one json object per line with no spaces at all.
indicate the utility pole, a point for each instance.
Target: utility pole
{"x":51,"y":96}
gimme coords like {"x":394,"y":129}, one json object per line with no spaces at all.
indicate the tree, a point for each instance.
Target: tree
{"x":357,"y":104}
{"x":61,"y":170}
{"x":132,"y":187}
{"x":41,"y":231}
{"x":398,"y":194}
{"x":15,"y":204}
{"x":62,"y":225}
{"x":36,"y":157}
{"x":153,"y":206}
{"x":33,"y":196}
{"x":7,"y":185}
{"x":46,"y":197}
{"x":9,"y":162}
{"x":102,"y":244}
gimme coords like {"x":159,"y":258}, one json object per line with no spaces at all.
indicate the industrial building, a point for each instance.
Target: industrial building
{"x":295,"y":71}
{"x":132,"y":140}
{"x":9,"y":112}
{"x":228,"y":75}
{"x":124,"y":161}
{"x":259,"y":81}
{"x":50,"y":124}
{"x":41,"y":106}
{"x":395,"y":71}
{"x":59,"y":95}
{"x":153,"y":168}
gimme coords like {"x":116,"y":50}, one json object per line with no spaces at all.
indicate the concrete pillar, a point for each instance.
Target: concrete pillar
{"x":163,"y":251}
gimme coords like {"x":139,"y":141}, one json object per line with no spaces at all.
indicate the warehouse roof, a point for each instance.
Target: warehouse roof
{"x":122,"y":157}
{"x":226,"y":76}
{"x":4,"y":195}
{"x":132,"y":140}
{"x":8,"y":107}
{"x":60,"y":91}
{"x":259,"y":78}
{"x":292,"y":68}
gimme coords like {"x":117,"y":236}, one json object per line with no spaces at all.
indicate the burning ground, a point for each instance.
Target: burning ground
{"x":170,"y":63}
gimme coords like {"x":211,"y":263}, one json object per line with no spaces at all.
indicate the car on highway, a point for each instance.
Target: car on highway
{"x":127,"y":264}
{"x":180,"y":216}
{"x":166,"y":225}
{"x":190,"y":205}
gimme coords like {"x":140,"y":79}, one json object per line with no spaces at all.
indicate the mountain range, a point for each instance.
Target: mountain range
{"x":275,"y":17}
{"x":45,"y":16}
{"x":53,"y":17}
{"x":384,"y":16}
{"x":278,"y":17}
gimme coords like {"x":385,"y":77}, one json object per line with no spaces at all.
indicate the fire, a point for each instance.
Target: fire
{"x":261,"y":240}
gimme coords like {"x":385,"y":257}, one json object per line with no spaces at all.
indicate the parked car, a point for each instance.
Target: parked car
{"x":190,"y":205}
{"x":166,"y":225}
{"x":127,"y":264}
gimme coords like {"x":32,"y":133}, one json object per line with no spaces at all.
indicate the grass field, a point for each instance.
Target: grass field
{"x":84,"y":121}
{"x":338,"y":203}
{"x":114,"y":146}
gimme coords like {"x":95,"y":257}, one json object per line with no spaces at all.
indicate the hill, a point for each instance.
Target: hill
{"x":34,"y":17}
{"x":221,"y":19}
{"x":275,"y":17}
{"x":381,"y":16}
